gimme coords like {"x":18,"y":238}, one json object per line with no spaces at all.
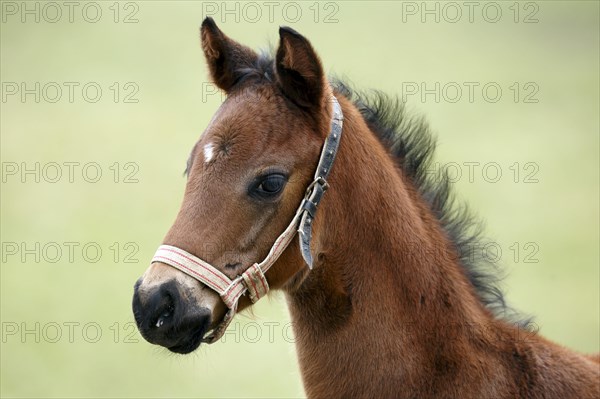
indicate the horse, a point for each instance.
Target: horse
{"x":384,"y":299}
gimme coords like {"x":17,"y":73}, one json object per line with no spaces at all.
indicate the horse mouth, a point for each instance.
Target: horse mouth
{"x":194,"y":336}
{"x":190,"y":344}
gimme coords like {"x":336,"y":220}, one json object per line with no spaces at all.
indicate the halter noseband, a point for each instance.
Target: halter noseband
{"x":253,"y":279}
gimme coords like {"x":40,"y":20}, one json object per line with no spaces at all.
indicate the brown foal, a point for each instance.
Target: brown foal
{"x":393,"y":307}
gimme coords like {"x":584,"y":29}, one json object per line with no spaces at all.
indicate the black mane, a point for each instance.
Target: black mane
{"x":411,"y":143}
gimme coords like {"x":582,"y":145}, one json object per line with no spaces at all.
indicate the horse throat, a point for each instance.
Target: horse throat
{"x":386,"y":281}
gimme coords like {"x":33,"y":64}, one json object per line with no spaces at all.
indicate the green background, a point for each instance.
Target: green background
{"x":376,"y":45}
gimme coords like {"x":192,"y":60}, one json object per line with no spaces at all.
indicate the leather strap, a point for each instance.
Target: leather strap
{"x":316,"y":190}
{"x":253,"y":279}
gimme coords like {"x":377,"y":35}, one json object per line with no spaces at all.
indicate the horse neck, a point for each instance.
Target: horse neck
{"x":380,"y":279}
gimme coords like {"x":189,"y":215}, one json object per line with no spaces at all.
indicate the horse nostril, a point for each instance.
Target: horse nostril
{"x":157,"y":311}
{"x":164,"y":308}
{"x":164,"y":316}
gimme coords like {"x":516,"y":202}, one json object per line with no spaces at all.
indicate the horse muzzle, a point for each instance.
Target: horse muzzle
{"x":171,"y":315}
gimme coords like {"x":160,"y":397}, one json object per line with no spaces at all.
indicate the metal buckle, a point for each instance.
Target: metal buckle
{"x":320,"y":181}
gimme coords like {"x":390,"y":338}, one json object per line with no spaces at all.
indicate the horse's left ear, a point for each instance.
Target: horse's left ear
{"x":299,"y":71}
{"x":225,"y":57}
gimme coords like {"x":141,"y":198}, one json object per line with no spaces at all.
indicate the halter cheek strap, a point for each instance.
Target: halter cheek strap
{"x":253,"y":279}
{"x":316,"y":189}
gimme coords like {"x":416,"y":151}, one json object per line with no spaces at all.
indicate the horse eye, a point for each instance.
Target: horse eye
{"x":269,"y":186}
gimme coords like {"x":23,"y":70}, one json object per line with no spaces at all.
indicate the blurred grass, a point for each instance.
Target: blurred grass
{"x":373,"y":47}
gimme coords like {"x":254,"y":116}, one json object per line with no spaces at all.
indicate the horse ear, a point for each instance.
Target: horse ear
{"x":298,"y":68}
{"x":225,"y":57}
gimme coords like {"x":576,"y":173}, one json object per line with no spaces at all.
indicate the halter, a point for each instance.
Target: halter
{"x":253,"y":279}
